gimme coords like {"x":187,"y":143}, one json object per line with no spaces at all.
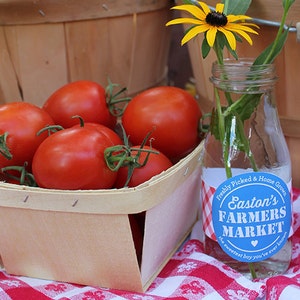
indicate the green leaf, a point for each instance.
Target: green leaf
{"x":214,"y":124}
{"x":221,"y":40}
{"x":236,"y":7}
{"x":232,"y":138}
{"x":247,"y":105}
{"x":287,"y":3}
{"x":205,"y":48}
{"x":273,"y":50}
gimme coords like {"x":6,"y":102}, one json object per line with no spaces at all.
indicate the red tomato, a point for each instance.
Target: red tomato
{"x":172,"y":115}
{"x":22,"y":121}
{"x":113,"y":137}
{"x":84,"y":98}
{"x":72,"y":159}
{"x":155,"y":164}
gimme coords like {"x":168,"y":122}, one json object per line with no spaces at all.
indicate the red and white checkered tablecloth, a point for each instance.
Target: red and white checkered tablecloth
{"x":190,"y":274}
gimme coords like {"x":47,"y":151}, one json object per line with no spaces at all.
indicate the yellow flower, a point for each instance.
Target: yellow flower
{"x":211,"y":22}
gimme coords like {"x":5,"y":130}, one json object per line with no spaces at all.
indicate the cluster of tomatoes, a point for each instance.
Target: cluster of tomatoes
{"x":84,"y":137}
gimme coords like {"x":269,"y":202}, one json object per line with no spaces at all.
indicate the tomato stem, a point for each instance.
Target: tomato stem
{"x":4,"y":150}
{"x":25,"y":177}
{"x":81,"y":121}
{"x":121,"y":155}
{"x":113,"y":100}
{"x":50,"y":129}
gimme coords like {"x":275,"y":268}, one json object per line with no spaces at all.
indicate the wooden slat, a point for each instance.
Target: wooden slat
{"x":51,"y":11}
{"x":294,"y":146}
{"x":79,"y":248}
{"x":38,"y":53}
{"x":125,"y":49}
{"x":9,"y":90}
{"x":130,"y":49}
{"x":290,"y":127}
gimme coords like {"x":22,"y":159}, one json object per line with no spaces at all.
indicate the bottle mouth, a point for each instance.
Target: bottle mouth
{"x":240,"y":75}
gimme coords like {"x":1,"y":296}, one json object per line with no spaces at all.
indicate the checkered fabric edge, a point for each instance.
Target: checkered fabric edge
{"x":207,"y":193}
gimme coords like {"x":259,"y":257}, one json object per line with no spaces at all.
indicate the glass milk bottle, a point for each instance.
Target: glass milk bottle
{"x":246,"y":176}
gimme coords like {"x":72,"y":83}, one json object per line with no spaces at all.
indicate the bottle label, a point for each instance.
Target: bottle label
{"x":251,"y":216}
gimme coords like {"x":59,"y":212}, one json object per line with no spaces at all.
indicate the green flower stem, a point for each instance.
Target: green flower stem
{"x":219,"y":52}
{"x":221,"y":117}
{"x":233,"y":107}
{"x":246,"y":144}
{"x":252,"y":270}
{"x":286,"y":6}
{"x":221,"y":130}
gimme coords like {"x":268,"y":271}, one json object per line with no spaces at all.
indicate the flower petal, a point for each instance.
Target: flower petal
{"x":184,"y":21}
{"x":192,"y":9}
{"x":193,"y":32}
{"x":244,"y":35}
{"x":233,"y":27}
{"x":220,"y":8}
{"x":229,"y":36}
{"x":234,"y":18}
{"x":205,"y":7}
{"x":211,"y":35}
{"x":248,"y":24}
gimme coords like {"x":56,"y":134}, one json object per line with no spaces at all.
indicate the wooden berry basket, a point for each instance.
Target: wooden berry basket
{"x":287,"y":65}
{"x":45,"y":44}
{"x":85,"y":237}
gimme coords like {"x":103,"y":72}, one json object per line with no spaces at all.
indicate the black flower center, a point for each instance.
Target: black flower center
{"x":216,"y":19}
